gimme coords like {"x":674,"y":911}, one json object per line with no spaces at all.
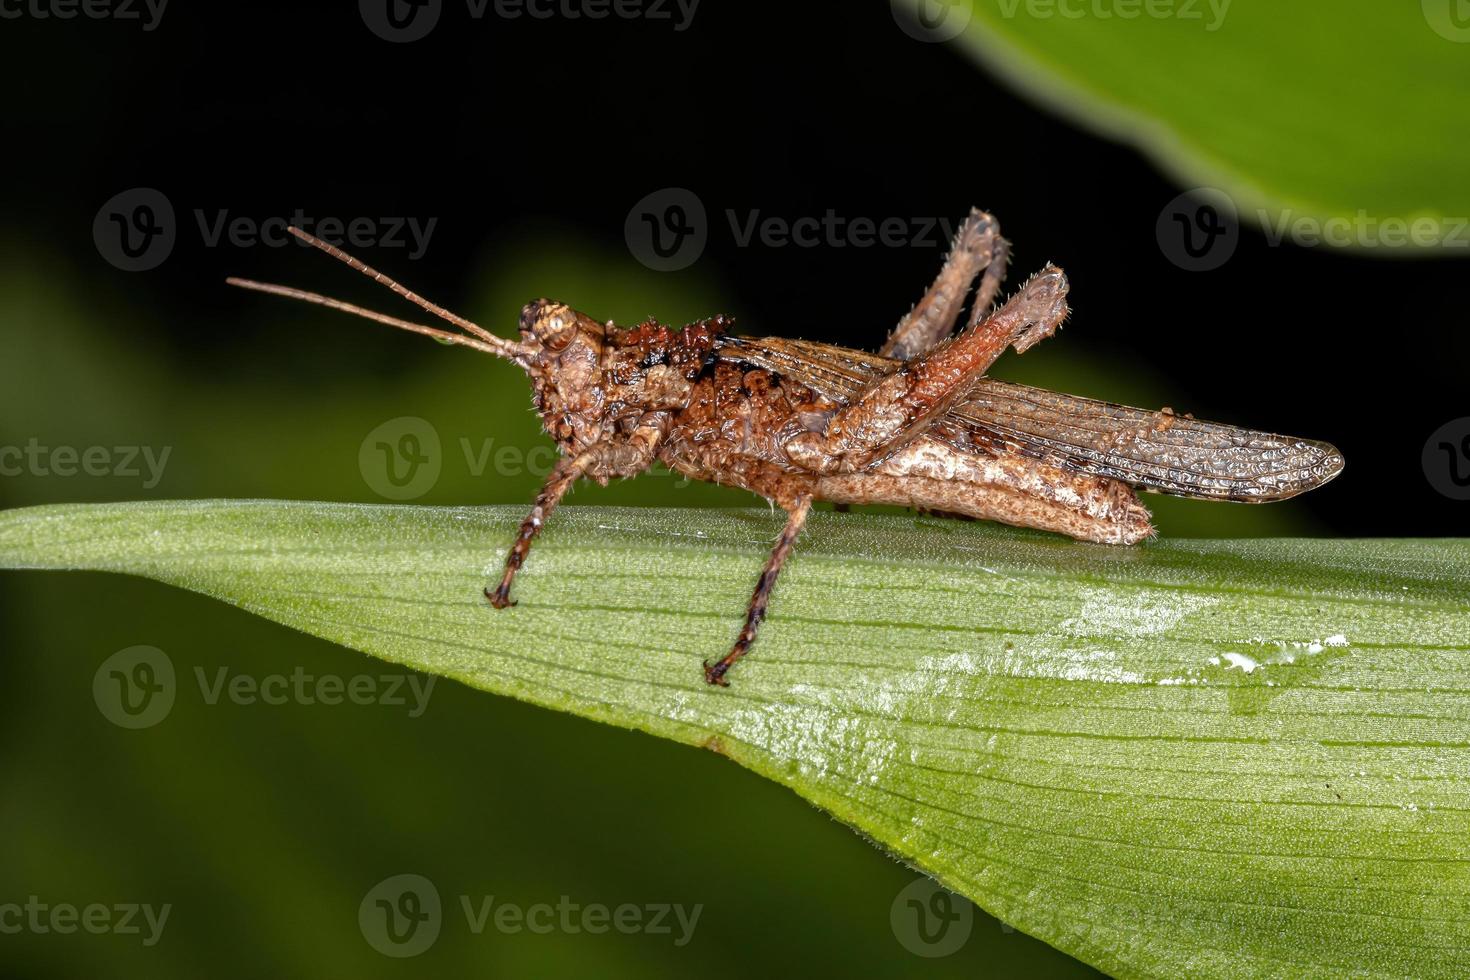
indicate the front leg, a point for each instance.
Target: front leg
{"x":566,"y":473}
{"x":893,"y":409}
{"x":795,"y":519}
{"x":627,"y":457}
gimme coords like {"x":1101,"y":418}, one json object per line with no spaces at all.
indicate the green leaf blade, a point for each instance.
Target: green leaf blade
{"x":1222,"y":757}
{"x":1299,"y":112}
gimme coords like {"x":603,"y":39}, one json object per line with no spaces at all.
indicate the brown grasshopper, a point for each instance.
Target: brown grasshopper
{"x":917,"y":425}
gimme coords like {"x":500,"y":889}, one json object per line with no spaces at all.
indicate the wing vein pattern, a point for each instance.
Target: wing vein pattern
{"x":1150,"y":450}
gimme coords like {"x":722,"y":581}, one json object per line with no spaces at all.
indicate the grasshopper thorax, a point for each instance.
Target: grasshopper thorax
{"x":591,"y":377}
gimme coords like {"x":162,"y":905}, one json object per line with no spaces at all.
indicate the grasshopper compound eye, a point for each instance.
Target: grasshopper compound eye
{"x":552,"y":325}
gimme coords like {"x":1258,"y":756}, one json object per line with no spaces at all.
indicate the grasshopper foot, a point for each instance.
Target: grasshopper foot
{"x":500,"y":597}
{"x":715,"y":673}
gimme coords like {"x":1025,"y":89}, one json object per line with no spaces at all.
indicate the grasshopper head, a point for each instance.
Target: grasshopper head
{"x":564,"y":358}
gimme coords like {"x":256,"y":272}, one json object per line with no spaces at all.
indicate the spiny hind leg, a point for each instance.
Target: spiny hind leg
{"x":1013,"y":490}
{"x":893,"y":409}
{"x":756,"y":611}
{"x":977,"y":246}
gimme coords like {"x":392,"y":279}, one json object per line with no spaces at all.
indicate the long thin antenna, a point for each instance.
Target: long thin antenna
{"x":397,"y":287}
{"x":496,"y":345}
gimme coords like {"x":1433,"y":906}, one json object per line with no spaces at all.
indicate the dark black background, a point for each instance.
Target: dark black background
{"x":500,"y":126}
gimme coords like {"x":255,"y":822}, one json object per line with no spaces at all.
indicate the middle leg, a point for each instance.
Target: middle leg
{"x":756,"y":612}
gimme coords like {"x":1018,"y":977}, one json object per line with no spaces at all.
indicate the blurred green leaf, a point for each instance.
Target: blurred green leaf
{"x":1354,"y":111}
{"x":1205,"y":757}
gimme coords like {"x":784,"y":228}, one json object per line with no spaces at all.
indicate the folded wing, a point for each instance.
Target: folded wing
{"x":1156,"y":451}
